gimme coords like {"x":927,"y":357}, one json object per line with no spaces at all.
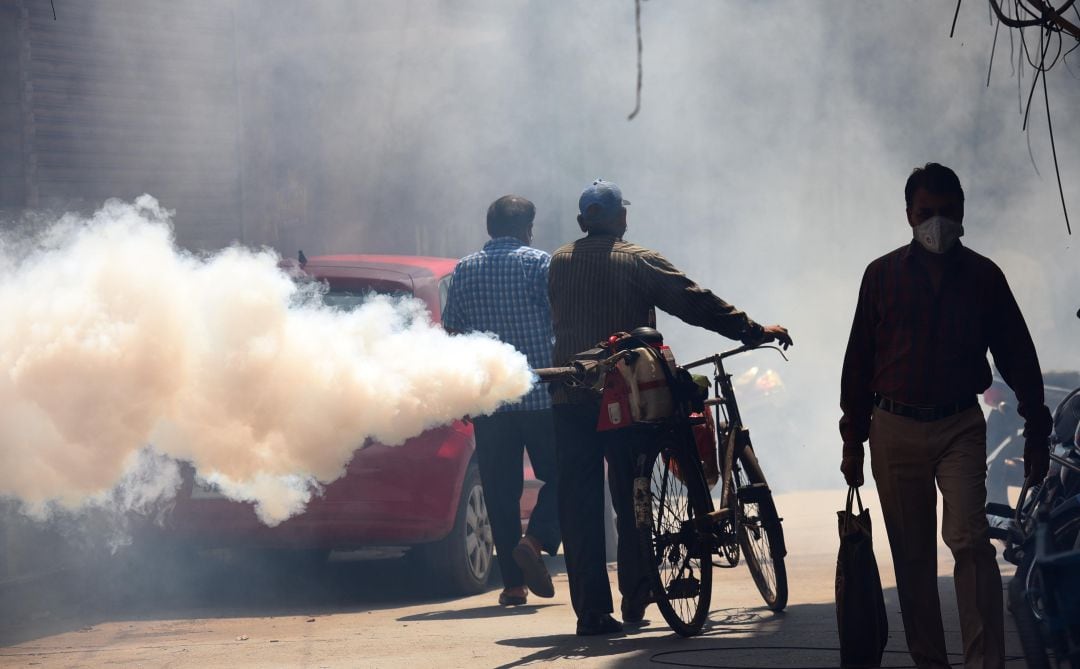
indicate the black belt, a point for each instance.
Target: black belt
{"x":924,"y":414}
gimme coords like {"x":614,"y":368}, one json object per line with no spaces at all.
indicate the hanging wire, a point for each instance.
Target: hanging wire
{"x":993,"y":49}
{"x":1046,"y":16}
{"x":1053,"y":150}
{"x":637,"y":24}
{"x":52,"y":3}
{"x":1039,"y":72}
{"x":1065,"y":59}
{"x":1052,"y":25}
{"x":1012,"y":57}
{"x":1031,"y":156}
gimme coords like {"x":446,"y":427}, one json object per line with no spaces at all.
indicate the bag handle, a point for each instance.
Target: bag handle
{"x":852,"y":496}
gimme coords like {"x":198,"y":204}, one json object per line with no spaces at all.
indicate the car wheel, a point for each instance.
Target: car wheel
{"x":151,"y":568}
{"x":461,"y":562}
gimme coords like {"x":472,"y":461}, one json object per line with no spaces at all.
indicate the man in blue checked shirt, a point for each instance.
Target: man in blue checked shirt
{"x":503,"y":289}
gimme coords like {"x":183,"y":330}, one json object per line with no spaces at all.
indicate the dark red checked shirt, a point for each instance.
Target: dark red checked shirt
{"x":926,"y":347}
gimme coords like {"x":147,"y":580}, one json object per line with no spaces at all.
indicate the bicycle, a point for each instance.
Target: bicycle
{"x":680,"y":528}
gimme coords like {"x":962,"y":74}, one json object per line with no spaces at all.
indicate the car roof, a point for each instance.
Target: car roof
{"x":421,"y":276}
{"x":380,"y":266}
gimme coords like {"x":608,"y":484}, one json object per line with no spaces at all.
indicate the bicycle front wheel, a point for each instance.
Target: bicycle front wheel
{"x":761,"y":536}
{"x":670,"y":502}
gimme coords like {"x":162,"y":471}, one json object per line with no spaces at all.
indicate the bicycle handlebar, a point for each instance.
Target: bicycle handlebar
{"x":717,"y":357}
{"x":581,"y":368}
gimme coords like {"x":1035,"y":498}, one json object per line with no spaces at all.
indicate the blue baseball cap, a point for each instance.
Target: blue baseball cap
{"x":605,"y":195}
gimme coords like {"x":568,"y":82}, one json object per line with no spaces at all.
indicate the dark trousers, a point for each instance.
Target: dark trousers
{"x":581,"y":452}
{"x":501,"y":439}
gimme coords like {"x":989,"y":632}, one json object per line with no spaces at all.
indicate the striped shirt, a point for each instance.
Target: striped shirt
{"x":502,"y":289}
{"x":925,"y":347}
{"x":600,"y":285}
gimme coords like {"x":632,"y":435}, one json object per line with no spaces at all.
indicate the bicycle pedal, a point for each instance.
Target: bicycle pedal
{"x":753,"y":492}
{"x":716,"y":517}
{"x":1013,"y":554}
{"x":1000,"y":510}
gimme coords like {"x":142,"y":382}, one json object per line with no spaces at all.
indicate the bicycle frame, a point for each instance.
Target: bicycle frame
{"x":731,"y":433}
{"x":679,"y":539}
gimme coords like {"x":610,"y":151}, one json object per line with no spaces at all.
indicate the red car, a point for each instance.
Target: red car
{"x":424,"y":495}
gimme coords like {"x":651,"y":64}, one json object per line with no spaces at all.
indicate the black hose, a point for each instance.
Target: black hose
{"x":548,"y":374}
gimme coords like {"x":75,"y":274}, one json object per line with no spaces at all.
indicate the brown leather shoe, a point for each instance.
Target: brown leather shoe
{"x":533,"y":569}
{"x":510,"y":598}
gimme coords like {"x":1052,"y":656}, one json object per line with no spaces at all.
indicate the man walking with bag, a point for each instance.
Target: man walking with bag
{"x":916,"y":360}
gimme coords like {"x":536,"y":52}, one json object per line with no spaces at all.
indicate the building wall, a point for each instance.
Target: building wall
{"x":120,"y":99}
{"x":12,"y":176}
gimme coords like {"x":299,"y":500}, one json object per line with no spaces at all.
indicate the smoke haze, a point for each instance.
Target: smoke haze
{"x":118,"y":349}
{"x":768,"y":160}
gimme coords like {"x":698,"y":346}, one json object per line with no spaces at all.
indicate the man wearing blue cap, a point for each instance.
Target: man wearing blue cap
{"x":599,"y":285}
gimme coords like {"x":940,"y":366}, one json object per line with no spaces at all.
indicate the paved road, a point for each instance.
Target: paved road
{"x":379,"y":614}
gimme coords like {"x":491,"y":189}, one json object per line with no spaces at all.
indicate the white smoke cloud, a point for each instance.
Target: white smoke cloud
{"x":112,"y":339}
{"x":767,"y":162}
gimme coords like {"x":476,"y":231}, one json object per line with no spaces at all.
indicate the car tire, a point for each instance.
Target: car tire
{"x":151,"y":568}
{"x":461,"y":563}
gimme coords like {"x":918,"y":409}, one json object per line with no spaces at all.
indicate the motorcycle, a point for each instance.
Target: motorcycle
{"x":1042,"y":538}
{"x":1005,"y":428}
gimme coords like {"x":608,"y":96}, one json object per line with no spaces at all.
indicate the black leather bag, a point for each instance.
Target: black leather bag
{"x":860,"y":605}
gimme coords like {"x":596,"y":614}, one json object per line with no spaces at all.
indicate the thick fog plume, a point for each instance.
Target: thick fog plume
{"x":113,"y":340}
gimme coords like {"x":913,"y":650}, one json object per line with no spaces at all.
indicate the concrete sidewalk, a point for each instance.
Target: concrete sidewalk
{"x":742,"y":633}
{"x":375,"y":615}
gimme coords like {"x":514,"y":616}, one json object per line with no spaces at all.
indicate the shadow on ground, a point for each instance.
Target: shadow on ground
{"x":803,"y":636}
{"x":476,"y":613}
{"x":149,"y":585}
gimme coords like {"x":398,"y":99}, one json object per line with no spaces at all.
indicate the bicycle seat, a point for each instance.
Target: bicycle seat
{"x":648,"y":335}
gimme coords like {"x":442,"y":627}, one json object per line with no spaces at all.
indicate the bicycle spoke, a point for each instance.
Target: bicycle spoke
{"x":674,"y":542}
{"x":759,"y":528}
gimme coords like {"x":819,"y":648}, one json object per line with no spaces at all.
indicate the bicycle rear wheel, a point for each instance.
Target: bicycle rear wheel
{"x":670,"y":501}
{"x":761,"y":535}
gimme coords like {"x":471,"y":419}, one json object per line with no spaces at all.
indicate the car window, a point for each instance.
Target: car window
{"x":347,"y":300}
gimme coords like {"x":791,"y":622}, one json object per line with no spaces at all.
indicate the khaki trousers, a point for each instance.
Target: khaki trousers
{"x":907,"y":457}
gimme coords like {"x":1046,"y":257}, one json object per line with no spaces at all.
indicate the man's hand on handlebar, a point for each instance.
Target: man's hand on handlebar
{"x":776,"y":333}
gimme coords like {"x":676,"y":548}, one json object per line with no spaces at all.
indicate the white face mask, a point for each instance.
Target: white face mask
{"x":938,"y":234}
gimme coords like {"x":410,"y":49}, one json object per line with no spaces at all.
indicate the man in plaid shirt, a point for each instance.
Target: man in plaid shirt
{"x":503,"y":289}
